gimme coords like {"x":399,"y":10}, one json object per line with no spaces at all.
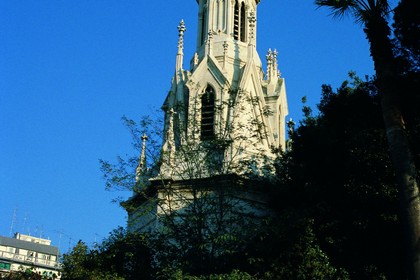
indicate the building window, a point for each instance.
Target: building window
{"x":239,"y":21}
{"x":236,"y":21}
{"x":207,"y":114}
{"x":243,"y":22}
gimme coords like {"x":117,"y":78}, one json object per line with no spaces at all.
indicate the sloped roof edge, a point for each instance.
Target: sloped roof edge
{"x":31,"y":246}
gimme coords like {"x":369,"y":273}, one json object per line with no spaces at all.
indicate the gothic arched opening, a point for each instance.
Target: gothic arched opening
{"x":207,"y":114}
{"x":236,"y":21}
{"x":243,"y":22}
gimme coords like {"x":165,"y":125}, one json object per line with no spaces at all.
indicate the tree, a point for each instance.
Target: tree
{"x":372,"y":14}
{"x":121,"y":256}
{"x":26,"y":274}
{"x":203,"y":223}
{"x":407,"y":31}
{"x":338,"y":176}
{"x":210,"y":221}
{"x":334,"y":205}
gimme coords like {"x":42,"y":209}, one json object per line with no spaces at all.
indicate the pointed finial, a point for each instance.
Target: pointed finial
{"x":144,"y":138}
{"x":180,"y":54}
{"x":181,"y":30}
{"x":275,"y":64}
{"x":269,"y":55}
{"x":269,"y":58}
{"x":142,"y":161}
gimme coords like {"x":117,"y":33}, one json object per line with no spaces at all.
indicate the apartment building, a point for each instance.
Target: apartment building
{"x":24,"y":252}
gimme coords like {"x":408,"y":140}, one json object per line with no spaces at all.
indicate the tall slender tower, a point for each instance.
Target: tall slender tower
{"x":226,"y":93}
{"x":224,"y":96}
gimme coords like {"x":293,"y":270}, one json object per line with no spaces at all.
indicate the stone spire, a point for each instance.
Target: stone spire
{"x":269,"y":58}
{"x":180,"y":53}
{"x":142,"y":160}
{"x":272,"y":65}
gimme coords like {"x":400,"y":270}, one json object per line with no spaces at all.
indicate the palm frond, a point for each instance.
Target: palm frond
{"x":339,"y":8}
{"x":371,"y":9}
{"x":362,"y":10}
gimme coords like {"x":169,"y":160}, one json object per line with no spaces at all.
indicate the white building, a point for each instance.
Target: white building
{"x":27,"y":252}
{"x":224,"y":98}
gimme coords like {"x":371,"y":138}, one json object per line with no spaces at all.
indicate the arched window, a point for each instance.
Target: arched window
{"x":243,"y":22}
{"x":236,"y":21}
{"x":207,"y":114}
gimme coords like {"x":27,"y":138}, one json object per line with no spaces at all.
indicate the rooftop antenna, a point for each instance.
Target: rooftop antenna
{"x":59,"y":239}
{"x":70,"y":239}
{"x":13,"y":222}
{"x":24,"y":223}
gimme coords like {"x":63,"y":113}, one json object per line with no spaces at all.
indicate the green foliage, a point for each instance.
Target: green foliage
{"x":121,"y":175}
{"x":287,"y":248}
{"x":26,"y":274}
{"x":361,"y":10}
{"x":122,"y":256}
{"x":207,"y":236}
{"x":407,"y":31}
{"x":338,"y":174}
{"x":179,"y":275}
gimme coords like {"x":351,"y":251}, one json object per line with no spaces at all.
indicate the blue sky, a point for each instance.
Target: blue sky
{"x":70,"y":69}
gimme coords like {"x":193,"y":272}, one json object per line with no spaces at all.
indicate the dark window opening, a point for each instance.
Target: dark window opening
{"x":236,"y":22}
{"x":243,"y":22}
{"x":207,"y":114}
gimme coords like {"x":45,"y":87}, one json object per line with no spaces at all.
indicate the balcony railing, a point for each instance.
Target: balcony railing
{"x":29,"y":260}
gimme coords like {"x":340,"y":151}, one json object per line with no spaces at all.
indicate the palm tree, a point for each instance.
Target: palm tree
{"x":372,"y":14}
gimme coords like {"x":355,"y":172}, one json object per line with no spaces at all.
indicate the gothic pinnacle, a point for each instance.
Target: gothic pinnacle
{"x":142,"y":160}
{"x":180,"y":54}
{"x":181,"y":30}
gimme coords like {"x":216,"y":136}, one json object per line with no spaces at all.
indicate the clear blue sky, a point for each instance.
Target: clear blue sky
{"x":70,"y":69}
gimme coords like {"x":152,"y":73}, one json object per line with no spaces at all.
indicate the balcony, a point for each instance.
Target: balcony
{"x":30,"y":260}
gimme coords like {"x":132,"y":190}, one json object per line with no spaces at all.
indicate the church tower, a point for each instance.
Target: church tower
{"x":224,"y":102}
{"x":225,"y":93}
